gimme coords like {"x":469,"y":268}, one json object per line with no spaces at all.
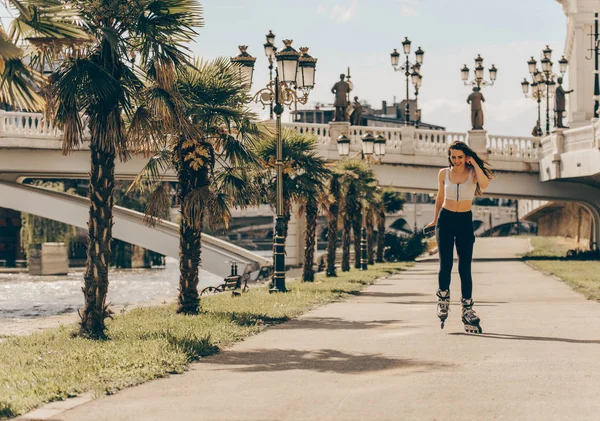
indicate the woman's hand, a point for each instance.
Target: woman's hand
{"x":429,"y":227}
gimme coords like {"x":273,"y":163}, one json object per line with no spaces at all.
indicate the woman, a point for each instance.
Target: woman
{"x":466,"y":177}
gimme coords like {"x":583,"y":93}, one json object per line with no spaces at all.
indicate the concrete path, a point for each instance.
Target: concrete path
{"x":382,"y":356}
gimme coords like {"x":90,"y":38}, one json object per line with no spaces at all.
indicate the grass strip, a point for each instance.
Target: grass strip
{"x":550,"y":247}
{"x":582,"y":276}
{"x":153,"y":342}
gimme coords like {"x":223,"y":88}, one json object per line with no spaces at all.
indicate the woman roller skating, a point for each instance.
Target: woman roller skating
{"x":466,"y":177}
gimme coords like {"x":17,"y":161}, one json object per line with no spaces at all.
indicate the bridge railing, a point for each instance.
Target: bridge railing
{"x":436,"y":142}
{"x":27,"y":124}
{"x":511,"y":148}
{"x":431,"y":142}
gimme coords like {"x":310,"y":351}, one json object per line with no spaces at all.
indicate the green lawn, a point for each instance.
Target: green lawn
{"x":551,"y":246}
{"x":150,"y":343}
{"x":581,"y":275}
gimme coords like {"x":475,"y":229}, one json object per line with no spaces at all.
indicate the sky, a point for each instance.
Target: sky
{"x":361,"y":34}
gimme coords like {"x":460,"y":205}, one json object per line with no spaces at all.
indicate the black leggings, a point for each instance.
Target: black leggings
{"x":456,"y":227}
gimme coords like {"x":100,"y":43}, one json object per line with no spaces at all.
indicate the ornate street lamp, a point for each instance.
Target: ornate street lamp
{"x":478,"y":80}
{"x":379,"y":147}
{"x":546,"y":77}
{"x":282,"y":91}
{"x":409,"y":70}
{"x":343,"y":145}
{"x":270,"y":50}
{"x":246,"y":65}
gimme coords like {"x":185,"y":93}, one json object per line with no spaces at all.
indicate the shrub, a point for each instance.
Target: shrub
{"x":399,"y":248}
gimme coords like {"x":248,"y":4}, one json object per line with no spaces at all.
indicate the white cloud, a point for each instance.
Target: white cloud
{"x":408,"y":9}
{"x":339,"y":13}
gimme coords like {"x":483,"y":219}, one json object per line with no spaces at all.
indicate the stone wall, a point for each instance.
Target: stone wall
{"x":571,"y":220}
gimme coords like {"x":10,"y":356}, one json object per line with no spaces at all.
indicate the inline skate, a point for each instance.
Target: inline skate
{"x":443,"y":305}
{"x":469,"y":317}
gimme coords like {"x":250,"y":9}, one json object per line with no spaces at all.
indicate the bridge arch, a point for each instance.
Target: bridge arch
{"x":128,"y":226}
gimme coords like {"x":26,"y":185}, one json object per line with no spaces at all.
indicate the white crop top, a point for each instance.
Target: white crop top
{"x":463,"y":191}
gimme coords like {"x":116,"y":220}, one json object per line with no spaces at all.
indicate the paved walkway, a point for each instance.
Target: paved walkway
{"x":382,"y":356}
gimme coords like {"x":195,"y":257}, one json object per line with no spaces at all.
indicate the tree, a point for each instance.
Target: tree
{"x":390,"y":202}
{"x":333,"y":210}
{"x":304,"y":175}
{"x":358,"y":181}
{"x":120,"y":85}
{"x":47,"y":20}
{"x":213,"y":159}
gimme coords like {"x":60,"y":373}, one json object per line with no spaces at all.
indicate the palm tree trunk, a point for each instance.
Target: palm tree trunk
{"x":102,"y":181}
{"x":332,"y":238}
{"x":189,"y":262}
{"x":370,"y":235}
{"x":308,"y":272}
{"x":380,"y":233}
{"x":356,"y":226}
{"x":346,"y":242}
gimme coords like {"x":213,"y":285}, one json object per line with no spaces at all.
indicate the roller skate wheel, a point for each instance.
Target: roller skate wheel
{"x":473,"y":329}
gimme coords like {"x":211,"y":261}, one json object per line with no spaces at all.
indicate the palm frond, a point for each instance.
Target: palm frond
{"x":158,"y":205}
{"x":154,"y":170}
{"x":18,"y":86}
{"x":192,"y":209}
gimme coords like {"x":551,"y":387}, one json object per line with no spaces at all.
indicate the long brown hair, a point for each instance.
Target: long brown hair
{"x":457,"y":145}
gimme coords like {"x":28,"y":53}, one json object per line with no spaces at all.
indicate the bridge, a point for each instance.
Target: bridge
{"x":31,"y":148}
{"x":128,"y":226}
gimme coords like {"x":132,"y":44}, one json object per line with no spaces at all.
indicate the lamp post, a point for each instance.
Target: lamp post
{"x":370,"y":146}
{"x":537,"y":93}
{"x":410,"y":70}
{"x":294,"y":79}
{"x":478,"y":80}
{"x":545,"y":79}
{"x":270,"y":50}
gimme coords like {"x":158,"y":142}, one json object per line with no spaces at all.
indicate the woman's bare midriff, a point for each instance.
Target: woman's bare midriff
{"x":457,"y":205}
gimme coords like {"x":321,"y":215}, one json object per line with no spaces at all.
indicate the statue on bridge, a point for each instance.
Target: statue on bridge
{"x":356,"y":112}
{"x":341,"y":90}
{"x":560,"y":104}
{"x":476,"y":100}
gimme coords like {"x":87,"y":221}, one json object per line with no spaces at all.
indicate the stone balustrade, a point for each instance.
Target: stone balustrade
{"x":16,"y":123}
{"x":430,"y":142}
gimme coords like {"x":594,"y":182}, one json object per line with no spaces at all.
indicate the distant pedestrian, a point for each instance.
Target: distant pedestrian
{"x":467,"y":176}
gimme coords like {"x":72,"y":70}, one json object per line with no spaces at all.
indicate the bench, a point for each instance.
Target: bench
{"x":233,"y":282}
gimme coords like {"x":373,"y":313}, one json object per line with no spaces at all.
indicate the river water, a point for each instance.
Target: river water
{"x":23,"y":296}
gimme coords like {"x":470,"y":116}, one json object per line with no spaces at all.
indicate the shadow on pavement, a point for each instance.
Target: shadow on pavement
{"x":322,"y":361}
{"x":335,"y":323}
{"x":391,"y":294}
{"x":433,"y":303}
{"x":529,"y":338}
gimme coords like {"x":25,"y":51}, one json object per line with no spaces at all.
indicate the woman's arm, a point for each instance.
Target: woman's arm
{"x":439,"y":201}
{"x":480,"y":176}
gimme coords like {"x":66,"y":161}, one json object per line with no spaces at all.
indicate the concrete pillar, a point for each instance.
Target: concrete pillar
{"x":558,"y":147}
{"x":477,"y":142}
{"x":48,"y":259}
{"x":336,"y":129}
{"x":580,"y":19}
{"x":407,"y":147}
{"x":294,"y":243}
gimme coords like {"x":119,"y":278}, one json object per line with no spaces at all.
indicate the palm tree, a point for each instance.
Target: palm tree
{"x":389,"y":201}
{"x":121,"y":86}
{"x":358,"y":180}
{"x":333,"y":210}
{"x":304,"y":175}
{"x":23,"y":79}
{"x":214,"y":162}
{"x":301,"y":166}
